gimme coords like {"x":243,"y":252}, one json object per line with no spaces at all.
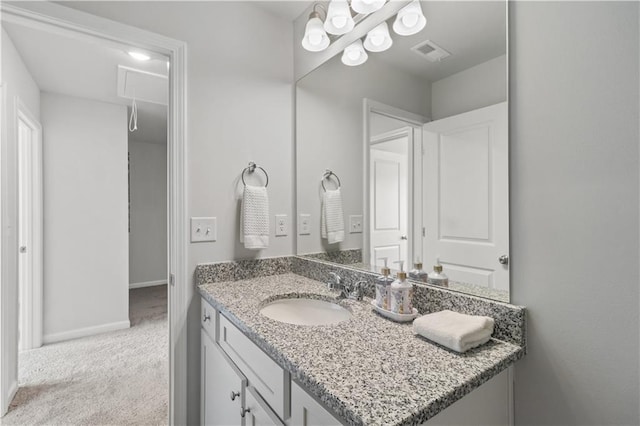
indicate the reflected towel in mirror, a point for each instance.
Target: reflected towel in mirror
{"x":254,"y":217}
{"x":331,"y":216}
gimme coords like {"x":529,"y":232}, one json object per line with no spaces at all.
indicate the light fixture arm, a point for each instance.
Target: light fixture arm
{"x":315,"y":14}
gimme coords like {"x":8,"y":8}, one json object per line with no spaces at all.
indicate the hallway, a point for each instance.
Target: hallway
{"x":112,"y":378}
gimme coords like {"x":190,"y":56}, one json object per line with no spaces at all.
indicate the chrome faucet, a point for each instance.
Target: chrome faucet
{"x":347,"y":291}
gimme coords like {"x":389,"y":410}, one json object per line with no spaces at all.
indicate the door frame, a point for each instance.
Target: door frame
{"x":63,"y":20}
{"x":32,"y":308}
{"x":414,"y":121}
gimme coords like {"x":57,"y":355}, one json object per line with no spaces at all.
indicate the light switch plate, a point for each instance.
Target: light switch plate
{"x":281,"y":225}
{"x":355,"y":224}
{"x":304,"y":226}
{"x":203,"y":229}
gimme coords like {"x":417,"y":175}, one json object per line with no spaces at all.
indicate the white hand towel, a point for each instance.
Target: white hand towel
{"x":453,"y":330}
{"x":254,"y":217}
{"x":331,"y":216}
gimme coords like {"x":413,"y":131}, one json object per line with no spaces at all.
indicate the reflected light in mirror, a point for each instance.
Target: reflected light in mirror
{"x":410,"y":20}
{"x":354,"y":54}
{"x":378,"y":39}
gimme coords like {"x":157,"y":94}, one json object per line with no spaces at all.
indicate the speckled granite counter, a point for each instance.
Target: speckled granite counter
{"x":368,"y":370}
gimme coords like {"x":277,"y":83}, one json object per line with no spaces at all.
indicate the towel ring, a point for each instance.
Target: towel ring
{"x":252,"y":168}
{"x":327,"y":174}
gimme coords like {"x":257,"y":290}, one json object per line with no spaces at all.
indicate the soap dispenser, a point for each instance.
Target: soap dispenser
{"x":438,"y":277}
{"x":383,"y":284}
{"x":417,"y":273}
{"x":401,"y":293}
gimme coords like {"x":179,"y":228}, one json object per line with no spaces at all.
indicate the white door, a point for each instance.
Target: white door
{"x":29,"y":230}
{"x":256,"y":411}
{"x":222,"y":386}
{"x":466,"y":200}
{"x":389,"y":190}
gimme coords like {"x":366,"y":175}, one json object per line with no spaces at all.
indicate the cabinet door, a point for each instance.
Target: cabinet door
{"x":257,"y":412}
{"x":306,"y":411}
{"x":220,"y":381}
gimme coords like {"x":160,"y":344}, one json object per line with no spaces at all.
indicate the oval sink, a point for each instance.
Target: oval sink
{"x":305,"y":312}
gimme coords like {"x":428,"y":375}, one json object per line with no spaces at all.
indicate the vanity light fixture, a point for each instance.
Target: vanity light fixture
{"x":315,"y":37}
{"x":139,"y":55}
{"x":378,"y":39}
{"x":410,"y":19}
{"x":367,"y":6}
{"x":354,"y":54}
{"x":339,"y":20}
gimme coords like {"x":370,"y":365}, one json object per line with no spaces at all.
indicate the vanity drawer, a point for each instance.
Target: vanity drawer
{"x":267,"y":377}
{"x":208,"y":318}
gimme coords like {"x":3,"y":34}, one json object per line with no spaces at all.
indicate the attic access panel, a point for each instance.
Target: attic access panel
{"x":143,"y":85}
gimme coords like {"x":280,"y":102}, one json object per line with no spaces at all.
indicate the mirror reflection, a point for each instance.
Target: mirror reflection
{"x":417,"y":136}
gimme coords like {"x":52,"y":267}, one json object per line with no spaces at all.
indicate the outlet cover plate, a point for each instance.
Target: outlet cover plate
{"x":281,"y":225}
{"x":304,"y":227}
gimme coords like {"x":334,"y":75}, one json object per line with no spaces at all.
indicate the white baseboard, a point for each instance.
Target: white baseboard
{"x":147,"y":284}
{"x":84,"y":332}
{"x":13,"y":389}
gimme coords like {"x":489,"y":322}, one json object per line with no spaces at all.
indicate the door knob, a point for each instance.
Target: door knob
{"x":504,"y":259}
{"x":404,"y":237}
{"x":234,"y":395}
{"x":23,"y":249}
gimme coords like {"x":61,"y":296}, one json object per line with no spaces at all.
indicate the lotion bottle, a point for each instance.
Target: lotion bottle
{"x":417,"y":273}
{"x":437,"y":277}
{"x":401,"y":293}
{"x":383,"y":285}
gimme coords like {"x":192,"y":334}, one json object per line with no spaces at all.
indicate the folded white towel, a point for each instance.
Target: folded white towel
{"x":331,"y":217}
{"x":456,"y":331}
{"x":254,"y":217}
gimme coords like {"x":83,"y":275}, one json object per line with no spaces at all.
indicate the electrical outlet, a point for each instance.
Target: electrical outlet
{"x":203,"y":229}
{"x":281,"y":225}
{"x":304,"y":227}
{"x":355,"y":224}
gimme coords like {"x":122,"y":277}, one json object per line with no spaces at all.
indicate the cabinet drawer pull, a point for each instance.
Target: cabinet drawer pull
{"x":244,"y":411}
{"x":234,"y":395}
{"x":206,"y":318}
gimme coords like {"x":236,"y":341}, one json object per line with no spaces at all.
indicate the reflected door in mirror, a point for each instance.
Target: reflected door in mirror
{"x":466,"y":209}
{"x":389,"y":198}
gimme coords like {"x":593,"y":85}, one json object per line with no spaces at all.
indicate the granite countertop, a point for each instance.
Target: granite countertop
{"x":368,"y":370}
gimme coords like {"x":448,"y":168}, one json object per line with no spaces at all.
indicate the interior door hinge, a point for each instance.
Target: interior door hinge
{"x":172,"y":279}
{"x":424,"y":232}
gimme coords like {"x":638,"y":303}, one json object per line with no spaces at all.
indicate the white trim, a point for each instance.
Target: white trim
{"x":6,"y":371}
{"x":33,"y":306}
{"x":13,"y":389}
{"x":147,"y":284}
{"x":63,"y":20}
{"x":84,"y":332}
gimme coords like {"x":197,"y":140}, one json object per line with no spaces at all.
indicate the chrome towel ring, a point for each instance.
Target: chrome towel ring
{"x":252,"y":168}
{"x":327,"y":176}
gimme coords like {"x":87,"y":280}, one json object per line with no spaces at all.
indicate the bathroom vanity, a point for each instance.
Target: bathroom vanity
{"x":362,"y":370}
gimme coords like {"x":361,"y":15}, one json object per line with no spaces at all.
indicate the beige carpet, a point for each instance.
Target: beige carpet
{"x":116,"y":378}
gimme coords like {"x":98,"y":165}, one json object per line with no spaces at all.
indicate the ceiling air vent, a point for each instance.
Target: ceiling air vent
{"x":430,"y":51}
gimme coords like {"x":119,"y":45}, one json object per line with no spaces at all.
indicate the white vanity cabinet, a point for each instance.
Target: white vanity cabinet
{"x":242,"y":385}
{"x":222,"y":386}
{"x":306,"y":411}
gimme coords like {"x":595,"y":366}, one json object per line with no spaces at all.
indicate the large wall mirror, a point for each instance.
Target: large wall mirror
{"x":417,"y":141}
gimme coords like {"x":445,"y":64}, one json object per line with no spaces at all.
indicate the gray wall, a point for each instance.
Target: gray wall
{"x":476,"y":87}
{"x":240,"y":109}
{"x":148,"y":212}
{"x":574,"y":210}
{"x":85,"y":217}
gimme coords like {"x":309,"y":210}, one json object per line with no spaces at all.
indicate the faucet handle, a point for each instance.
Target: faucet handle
{"x":334,"y":281}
